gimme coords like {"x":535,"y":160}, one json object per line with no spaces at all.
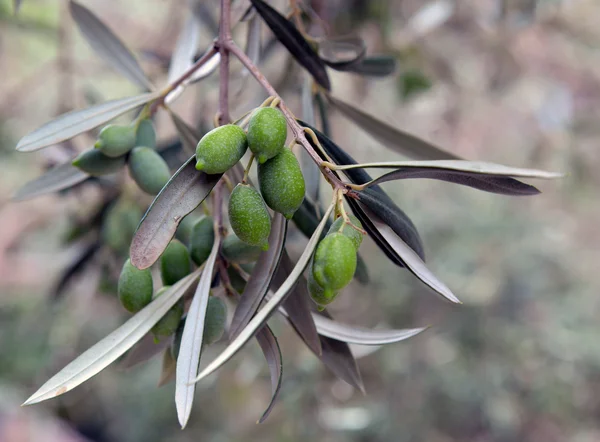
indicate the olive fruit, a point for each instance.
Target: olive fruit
{"x":220,"y":149}
{"x":318,"y":294}
{"x":119,"y":225}
{"x":334,"y":262}
{"x":267,"y":131}
{"x":135,"y":287}
{"x":146,"y":135}
{"x":249,"y":216}
{"x":348,"y":230}
{"x":116,"y":140}
{"x":202,"y":239}
{"x":148,"y":169}
{"x":237,"y":282}
{"x":95,"y":163}
{"x":167,"y":325}
{"x":174,"y":263}
{"x":214,"y":322}
{"x":236,"y":250}
{"x":281,"y":183}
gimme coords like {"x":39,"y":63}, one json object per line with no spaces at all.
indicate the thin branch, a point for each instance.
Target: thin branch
{"x":223,"y":43}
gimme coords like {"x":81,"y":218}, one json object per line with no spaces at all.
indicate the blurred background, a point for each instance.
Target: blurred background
{"x":511,"y":81}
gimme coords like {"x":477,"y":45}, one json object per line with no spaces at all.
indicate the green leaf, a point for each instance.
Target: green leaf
{"x":342,"y":52}
{"x":105,"y":352}
{"x":185,"y":191}
{"x":270,"y":348}
{"x":191,"y":340}
{"x":263,"y":315}
{"x":260,"y":279}
{"x":107,"y":45}
{"x":185,"y":49}
{"x":58,"y":178}
{"x":292,"y":39}
{"x":374,"y":66}
{"x":395,"y":139}
{"x":73,"y":123}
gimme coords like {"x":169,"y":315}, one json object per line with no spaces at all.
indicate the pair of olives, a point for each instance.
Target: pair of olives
{"x":280,"y":179}
{"x":334,"y":261}
{"x":133,"y":145}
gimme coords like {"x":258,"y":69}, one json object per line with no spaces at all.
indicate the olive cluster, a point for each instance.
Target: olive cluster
{"x":133,"y":145}
{"x":280,"y":179}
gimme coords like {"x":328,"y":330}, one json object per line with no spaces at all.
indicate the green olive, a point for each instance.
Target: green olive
{"x":135,"y":287}
{"x":236,"y":250}
{"x":120,"y":224}
{"x":348,"y":230}
{"x":202,"y":239}
{"x":281,"y":183}
{"x":146,"y":135}
{"x":174,"y":263}
{"x":220,"y":149}
{"x":334,"y":262}
{"x":214,"y":322}
{"x":167,"y":325}
{"x":249,"y":216}
{"x":116,"y":140}
{"x":267,"y":131}
{"x":319,"y":295}
{"x":237,"y":282}
{"x":95,"y":163}
{"x":148,"y":169}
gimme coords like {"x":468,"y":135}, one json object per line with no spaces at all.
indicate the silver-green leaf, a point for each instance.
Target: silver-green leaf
{"x":185,"y":49}
{"x":58,"y":178}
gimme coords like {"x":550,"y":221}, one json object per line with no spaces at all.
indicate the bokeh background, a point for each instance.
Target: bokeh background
{"x":511,"y":81}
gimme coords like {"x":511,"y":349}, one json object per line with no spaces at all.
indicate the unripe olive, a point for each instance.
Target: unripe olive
{"x":236,"y":250}
{"x":249,"y":216}
{"x":148,"y":169}
{"x":95,"y":163}
{"x":174,"y":263}
{"x":348,"y":230}
{"x":135,"y":287}
{"x":119,"y":225}
{"x":116,"y":140}
{"x":146,"y":135}
{"x":220,"y":149}
{"x":267,"y":131}
{"x":214,"y":322}
{"x":281,"y":183}
{"x":202,"y":239}
{"x":167,"y":325}
{"x":321,"y":296}
{"x":334,"y":262}
{"x":237,"y":282}
{"x":184,"y":229}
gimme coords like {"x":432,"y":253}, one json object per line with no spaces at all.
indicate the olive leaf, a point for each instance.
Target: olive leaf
{"x":310,"y":170}
{"x":395,"y":139}
{"x":339,"y":359}
{"x":360,"y":335}
{"x":373,"y":66}
{"x":78,"y":121}
{"x":263,"y":315}
{"x":261,"y":277}
{"x":185,"y":191}
{"x":185,"y":49}
{"x":144,"y":350}
{"x":107,"y":45}
{"x":191,"y":340}
{"x":270,"y":348}
{"x":342,"y":52}
{"x":58,"y":178}
{"x":207,"y":69}
{"x":292,"y":39}
{"x":188,"y":135}
{"x":75,"y":268}
{"x":108,"y":350}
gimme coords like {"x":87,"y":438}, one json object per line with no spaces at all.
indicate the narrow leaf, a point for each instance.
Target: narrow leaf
{"x":270,"y":348}
{"x":75,"y":268}
{"x":339,"y":359}
{"x":58,"y":178}
{"x":167,"y":371}
{"x":188,"y":135}
{"x":107,"y":45}
{"x":360,"y":335}
{"x":389,"y":136}
{"x":342,"y":52}
{"x":105,"y":352}
{"x":207,"y":69}
{"x":411,"y":260}
{"x":253,"y":42}
{"x":185,"y":49}
{"x":310,"y":170}
{"x":144,"y":350}
{"x":374,"y":66}
{"x":260,"y":279}
{"x":263,"y":315}
{"x":292,"y":39}
{"x":191,"y":340}
{"x":186,"y":189}
{"x":297,"y":305}
{"x":73,"y":123}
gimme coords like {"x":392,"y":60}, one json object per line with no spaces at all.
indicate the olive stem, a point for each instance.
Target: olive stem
{"x":247,"y":170}
{"x":223,"y":45}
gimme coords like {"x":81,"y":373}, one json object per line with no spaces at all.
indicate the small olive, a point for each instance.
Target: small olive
{"x":115,"y":140}
{"x":236,"y":250}
{"x":249,"y":216}
{"x":348,"y":230}
{"x":202,"y":239}
{"x":135,"y":287}
{"x":95,"y":163}
{"x":120,"y":224}
{"x":167,"y":325}
{"x":146,"y":135}
{"x":267,"y":131}
{"x":174,"y":263}
{"x":214,"y":322}
{"x":220,"y":149}
{"x":148,"y":169}
{"x":334,"y":262}
{"x":319,"y":295}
